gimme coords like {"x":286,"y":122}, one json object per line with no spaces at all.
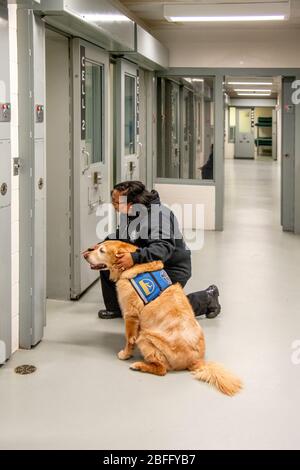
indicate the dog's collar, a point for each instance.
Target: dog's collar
{"x":151,"y":284}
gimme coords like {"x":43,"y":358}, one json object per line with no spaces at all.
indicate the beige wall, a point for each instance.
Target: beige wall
{"x":216,"y":47}
{"x":180,"y":194}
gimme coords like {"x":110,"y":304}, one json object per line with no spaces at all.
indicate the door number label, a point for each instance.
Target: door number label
{"x":82,"y":91}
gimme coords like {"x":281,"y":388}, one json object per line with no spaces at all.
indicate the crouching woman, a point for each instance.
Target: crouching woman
{"x":151,"y":226}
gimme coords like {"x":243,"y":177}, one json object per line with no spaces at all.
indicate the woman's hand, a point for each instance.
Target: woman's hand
{"x":124,"y":261}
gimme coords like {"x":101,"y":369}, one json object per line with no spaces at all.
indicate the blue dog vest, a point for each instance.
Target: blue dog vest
{"x":150,"y":285}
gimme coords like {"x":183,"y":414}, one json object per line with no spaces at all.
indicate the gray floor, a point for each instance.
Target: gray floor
{"x":82,"y":396}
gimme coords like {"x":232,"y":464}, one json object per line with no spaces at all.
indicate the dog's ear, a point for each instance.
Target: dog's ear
{"x":121,"y":250}
{"x":128,"y":248}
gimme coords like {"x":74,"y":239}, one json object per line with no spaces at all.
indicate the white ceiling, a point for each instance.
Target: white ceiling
{"x":150,"y":12}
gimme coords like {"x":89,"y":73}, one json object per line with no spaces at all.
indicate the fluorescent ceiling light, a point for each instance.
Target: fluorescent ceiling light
{"x":254,"y":94}
{"x":250,"y":83}
{"x":98,"y":18}
{"x":190,"y":19}
{"x":191,"y":12}
{"x":253,"y":90}
{"x":194,"y":79}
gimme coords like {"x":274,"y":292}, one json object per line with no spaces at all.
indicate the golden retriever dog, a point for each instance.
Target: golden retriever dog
{"x":165,"y":330}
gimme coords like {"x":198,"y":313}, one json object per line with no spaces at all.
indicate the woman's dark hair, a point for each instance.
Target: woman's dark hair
{"x":136,"y":192}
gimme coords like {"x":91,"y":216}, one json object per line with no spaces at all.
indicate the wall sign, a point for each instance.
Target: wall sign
{"x":82,"y":91}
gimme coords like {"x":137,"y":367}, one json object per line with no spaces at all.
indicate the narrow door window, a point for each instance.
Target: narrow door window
{"x":130,"y":115}
{"x":94,"y":110}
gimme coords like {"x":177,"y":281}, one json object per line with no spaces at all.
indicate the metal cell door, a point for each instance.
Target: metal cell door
{"x":244,"y":145}
{"x":32,"y":177}
{"x":91,"y":177}
{"x":5,"y":194}
{"x":288,"y":157}
{"x":128,"y":146}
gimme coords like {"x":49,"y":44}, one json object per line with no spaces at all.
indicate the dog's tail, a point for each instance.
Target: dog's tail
{"x":215,"y":374}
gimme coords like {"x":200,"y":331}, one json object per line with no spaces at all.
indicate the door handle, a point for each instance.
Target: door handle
{"x":131,"y":147}
{"x":176,"y":160}
{"x":139,"y":150}
{"x":86,"y":154}
{"x":287,"y":155}
{"x":131,"y":166}
{"x":93,"y":205}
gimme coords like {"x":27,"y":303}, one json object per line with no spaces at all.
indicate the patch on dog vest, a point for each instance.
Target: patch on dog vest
{"x":150,"y":285}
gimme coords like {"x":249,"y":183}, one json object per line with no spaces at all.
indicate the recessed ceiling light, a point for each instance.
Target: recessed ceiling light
{"x":250,"y":83}
{"x":200,"y":19}
{"x":254,"y":94}
{"x":270,"y":11}
{"x":253,"y":90}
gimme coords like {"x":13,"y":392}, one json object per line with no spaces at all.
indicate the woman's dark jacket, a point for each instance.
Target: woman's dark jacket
{"x":160,"y":240}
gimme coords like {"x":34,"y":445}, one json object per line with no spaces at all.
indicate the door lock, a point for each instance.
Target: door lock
{"x":3,"y":189}
{"x":41,"y":183}
{"x":5,"y":114}
{"x":287,"y":155}
{"x":16,"y":166}
{"x":131,"y":167}
{"x":97,"y":178}
{"x":39,"y":113}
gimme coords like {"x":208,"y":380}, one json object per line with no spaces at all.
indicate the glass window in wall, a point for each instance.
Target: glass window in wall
{"x":232,"y":124}
{"x":94,"y":111}
{"x":185,"y":133}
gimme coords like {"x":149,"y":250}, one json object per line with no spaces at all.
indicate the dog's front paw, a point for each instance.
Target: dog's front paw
{"x":136,"y":366}
{"x":123,"y":355}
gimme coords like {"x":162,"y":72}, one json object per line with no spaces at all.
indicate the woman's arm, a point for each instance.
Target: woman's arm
{"x":156,"y":250}
{"x":161,"y":241}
